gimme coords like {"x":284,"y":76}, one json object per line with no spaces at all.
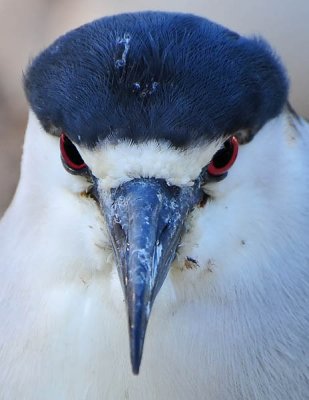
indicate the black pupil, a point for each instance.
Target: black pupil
{"x":72,"y":152}
{"x":223,"y":156}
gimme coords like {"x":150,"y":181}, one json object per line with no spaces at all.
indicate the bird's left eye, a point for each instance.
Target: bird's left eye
{"x":224,"y":158}
{"x":70,"y":156}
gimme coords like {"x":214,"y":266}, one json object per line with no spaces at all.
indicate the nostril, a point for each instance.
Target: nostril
{"x":119,"y":233}
{"x":162,"y":234}
{"x":175,"y":190}
{"x":203,"y":200}
{"x":171,"y":190}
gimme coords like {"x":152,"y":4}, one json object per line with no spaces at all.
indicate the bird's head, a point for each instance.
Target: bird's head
{"x":148,"y":110}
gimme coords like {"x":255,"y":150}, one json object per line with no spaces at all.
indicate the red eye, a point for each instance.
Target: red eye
{"x":224,"y":158}
{"x":70,"y":155}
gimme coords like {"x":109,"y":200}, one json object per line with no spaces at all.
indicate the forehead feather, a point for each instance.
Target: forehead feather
{"x":114,"y":164}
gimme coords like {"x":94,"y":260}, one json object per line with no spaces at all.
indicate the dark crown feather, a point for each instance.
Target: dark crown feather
{"x":155,"y":75}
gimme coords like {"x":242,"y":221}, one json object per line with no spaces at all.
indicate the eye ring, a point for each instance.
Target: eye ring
{"x":223,"y":160}
{"x":70,"y":155}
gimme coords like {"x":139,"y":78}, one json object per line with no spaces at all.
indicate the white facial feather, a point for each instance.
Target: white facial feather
{"x":116,"y":164}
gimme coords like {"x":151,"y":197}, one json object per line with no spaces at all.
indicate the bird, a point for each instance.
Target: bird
{"x":157,"y":243}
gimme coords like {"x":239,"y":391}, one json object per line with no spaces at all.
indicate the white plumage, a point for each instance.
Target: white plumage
{"x":232,"y":328}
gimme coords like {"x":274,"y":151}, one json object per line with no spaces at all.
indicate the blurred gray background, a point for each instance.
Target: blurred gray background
{"x":26,"y":27}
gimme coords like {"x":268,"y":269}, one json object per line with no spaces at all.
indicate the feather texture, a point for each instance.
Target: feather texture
{"x":154,"y":75}
{"x":231,"y":319}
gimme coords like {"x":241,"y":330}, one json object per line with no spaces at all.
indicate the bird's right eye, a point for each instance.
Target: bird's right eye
{"x":224,"y":158}
{"x":70,"y":156}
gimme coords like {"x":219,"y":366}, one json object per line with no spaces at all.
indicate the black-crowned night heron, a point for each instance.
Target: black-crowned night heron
{"x":146,"y":113}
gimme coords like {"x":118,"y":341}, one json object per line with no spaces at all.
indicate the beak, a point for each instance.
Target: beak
{"x":145,"y":218}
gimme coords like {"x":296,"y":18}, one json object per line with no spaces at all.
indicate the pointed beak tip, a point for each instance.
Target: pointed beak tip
{"x":136,"y":348}
{"x":136,"y":358}
{"x":135,"y":369}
